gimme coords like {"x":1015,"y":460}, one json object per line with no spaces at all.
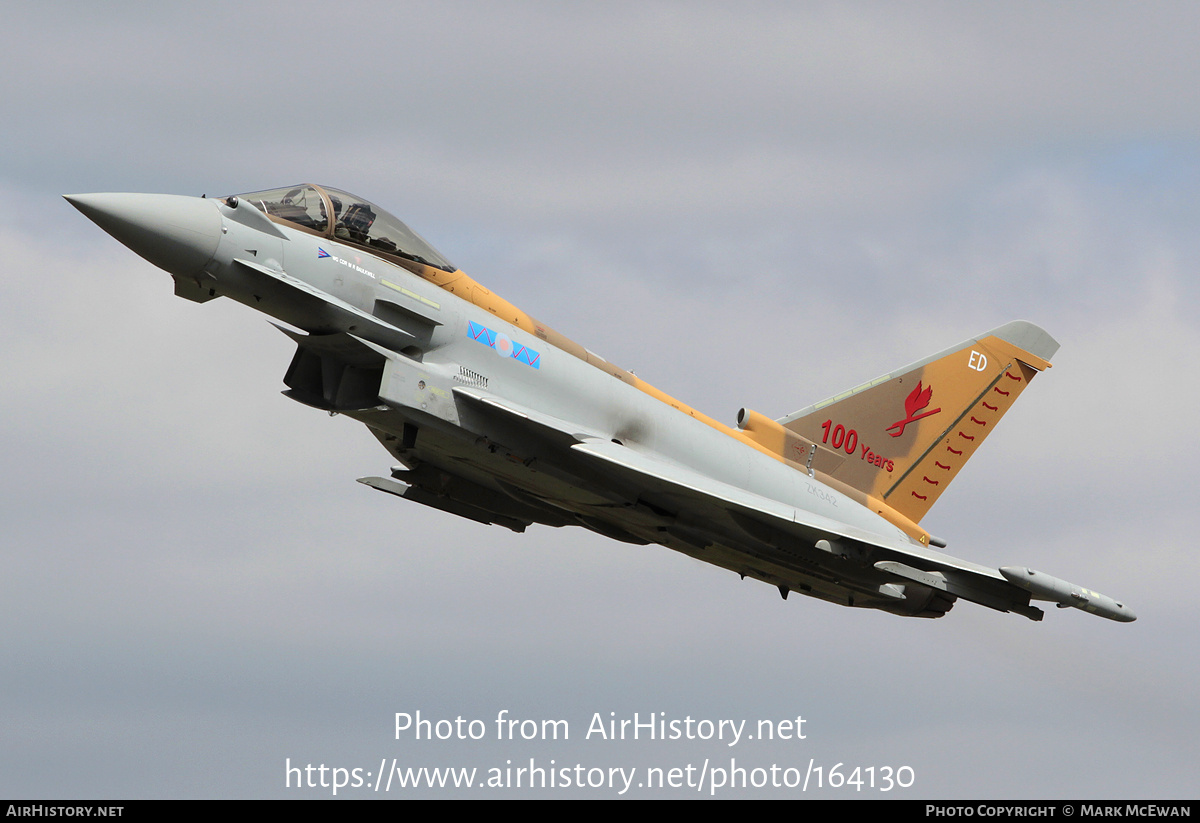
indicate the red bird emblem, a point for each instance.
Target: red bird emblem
{"x":913,"y":405}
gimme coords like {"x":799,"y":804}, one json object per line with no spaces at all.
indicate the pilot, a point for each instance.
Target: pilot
{"x":356,"y":224}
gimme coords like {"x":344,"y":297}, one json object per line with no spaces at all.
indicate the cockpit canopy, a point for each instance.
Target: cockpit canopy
{"x":355,"y":221}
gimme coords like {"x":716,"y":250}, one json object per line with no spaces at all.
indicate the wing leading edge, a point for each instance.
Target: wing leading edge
{"x":882,"y":565}
{"x":784,"y":545}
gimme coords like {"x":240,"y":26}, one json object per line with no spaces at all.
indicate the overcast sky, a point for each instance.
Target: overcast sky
{"x":754,"y":207}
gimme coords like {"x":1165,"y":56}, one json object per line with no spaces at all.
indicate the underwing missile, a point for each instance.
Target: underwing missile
{"x":1045,"y":587}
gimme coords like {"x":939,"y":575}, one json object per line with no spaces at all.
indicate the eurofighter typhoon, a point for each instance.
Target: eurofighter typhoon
{"x":496,"y":417}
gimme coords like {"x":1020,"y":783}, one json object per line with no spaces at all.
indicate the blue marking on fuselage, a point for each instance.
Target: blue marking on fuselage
{"x":487,"y":337}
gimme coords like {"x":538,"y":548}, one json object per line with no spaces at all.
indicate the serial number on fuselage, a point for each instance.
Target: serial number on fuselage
{"x":823,"y":494}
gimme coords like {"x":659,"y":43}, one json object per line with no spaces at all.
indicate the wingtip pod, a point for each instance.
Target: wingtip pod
{"x":1046,"y":587}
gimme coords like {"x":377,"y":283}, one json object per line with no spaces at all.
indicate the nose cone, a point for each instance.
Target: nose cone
{"x":179,"y":234}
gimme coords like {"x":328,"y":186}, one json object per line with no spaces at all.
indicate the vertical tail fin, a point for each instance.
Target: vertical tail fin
{"x":904,"y":436}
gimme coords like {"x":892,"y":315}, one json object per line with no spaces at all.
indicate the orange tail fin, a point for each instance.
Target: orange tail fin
{"x":904,"y":436}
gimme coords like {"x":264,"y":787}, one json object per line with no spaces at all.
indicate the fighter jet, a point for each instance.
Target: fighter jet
{"x":496,"y":417}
